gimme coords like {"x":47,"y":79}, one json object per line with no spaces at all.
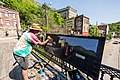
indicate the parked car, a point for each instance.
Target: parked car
{"x":116,"y":42}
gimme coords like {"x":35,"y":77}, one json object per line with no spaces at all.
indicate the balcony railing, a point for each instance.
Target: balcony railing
{"x":112,"y":72}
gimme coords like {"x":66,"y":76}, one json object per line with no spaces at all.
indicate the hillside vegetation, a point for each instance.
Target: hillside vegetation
{"x":115,"y":27}
{"x":31,"y":11}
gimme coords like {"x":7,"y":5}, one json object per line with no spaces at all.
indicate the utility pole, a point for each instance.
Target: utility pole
{"x":46,"y":17}
{"x":46,"y":13}
{"x":17,"y":32}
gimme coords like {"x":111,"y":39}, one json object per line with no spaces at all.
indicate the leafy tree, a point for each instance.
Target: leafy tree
{"x":109,"y":36}
{"x":94,"y":31}
{"x":53,"y":20}
{"x":30,"y":12}
{"x":58,"y":19}
{"x":115,"y":27}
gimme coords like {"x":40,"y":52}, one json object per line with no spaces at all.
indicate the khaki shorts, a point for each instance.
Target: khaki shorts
{"x":22,"y":61}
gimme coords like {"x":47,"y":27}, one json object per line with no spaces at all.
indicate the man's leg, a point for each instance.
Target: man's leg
{"x":25,"y":74}
{"x":24,"y":66}
{"x":23,"y":62}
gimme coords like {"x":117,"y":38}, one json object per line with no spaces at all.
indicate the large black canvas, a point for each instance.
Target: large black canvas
{"x":83,"y":52}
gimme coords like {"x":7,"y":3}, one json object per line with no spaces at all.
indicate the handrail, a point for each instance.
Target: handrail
{"x":112,"y":72}
{"x":54,"y":59}
{"x":49,"y":67}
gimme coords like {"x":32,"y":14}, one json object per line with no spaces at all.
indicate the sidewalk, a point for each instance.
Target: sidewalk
{"x":6,"y":58}
{"x":7,"y":70}
{"x":8,"y":37}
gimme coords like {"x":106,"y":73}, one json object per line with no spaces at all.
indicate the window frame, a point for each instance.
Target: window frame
{"x":7,"y":22}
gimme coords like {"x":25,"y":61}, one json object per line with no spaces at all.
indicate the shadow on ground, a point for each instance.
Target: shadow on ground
{"x":15,"y":73}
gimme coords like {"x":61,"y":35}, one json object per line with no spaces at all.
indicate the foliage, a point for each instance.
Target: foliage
{"x":94,"y":31}
{"x":115,"y":27}
{"x":58,"y":19}
{"x":32,"y":12}
{"x":109,"y":36}
{"x":44,"y":28}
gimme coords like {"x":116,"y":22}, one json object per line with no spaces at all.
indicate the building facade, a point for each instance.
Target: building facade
{"x":81,"y":25}
{"x":9,"y":21}
{"x":70,"y":25}
{"x":9,"y":18}
{"x":103,"y":29}
{"x":67,"y":12}
{"x":74,"y":24}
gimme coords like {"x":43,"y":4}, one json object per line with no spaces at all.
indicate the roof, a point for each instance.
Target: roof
{"x":67,"y":8}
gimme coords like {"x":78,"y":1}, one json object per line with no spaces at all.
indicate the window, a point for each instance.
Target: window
{"x":6,"y":13}
{"x":86,"y":21}
{"x":7,"y":22}
{"x":14,"y":23}
{"x":13,"y":14}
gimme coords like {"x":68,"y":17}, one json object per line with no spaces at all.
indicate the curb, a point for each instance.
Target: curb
{"x":9,"y":37}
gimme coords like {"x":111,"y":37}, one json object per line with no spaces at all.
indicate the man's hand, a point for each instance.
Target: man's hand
{"x":48,"y":37}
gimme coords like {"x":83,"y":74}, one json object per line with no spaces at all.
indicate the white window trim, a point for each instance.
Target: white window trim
{"x":6,"y":13}
{"x":14,"y":23}
{"x":7,"y":23}
{"x":13,"y":15}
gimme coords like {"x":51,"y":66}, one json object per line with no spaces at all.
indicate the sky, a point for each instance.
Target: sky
{"x":99,"y":11}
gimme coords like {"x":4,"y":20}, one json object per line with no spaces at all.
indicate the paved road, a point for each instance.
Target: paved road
{"x":111,"y":54}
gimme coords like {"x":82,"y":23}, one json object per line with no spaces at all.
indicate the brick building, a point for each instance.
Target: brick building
{"x":9,"y":20}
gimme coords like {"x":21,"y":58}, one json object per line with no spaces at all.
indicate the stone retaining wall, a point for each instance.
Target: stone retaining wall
{"x":9,"y":32}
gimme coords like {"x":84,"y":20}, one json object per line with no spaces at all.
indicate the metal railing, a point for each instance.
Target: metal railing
{"x":112,"y":72}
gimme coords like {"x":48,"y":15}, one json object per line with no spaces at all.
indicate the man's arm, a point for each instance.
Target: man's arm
{"x":35,"y":40}
{"x":44,"y":42}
